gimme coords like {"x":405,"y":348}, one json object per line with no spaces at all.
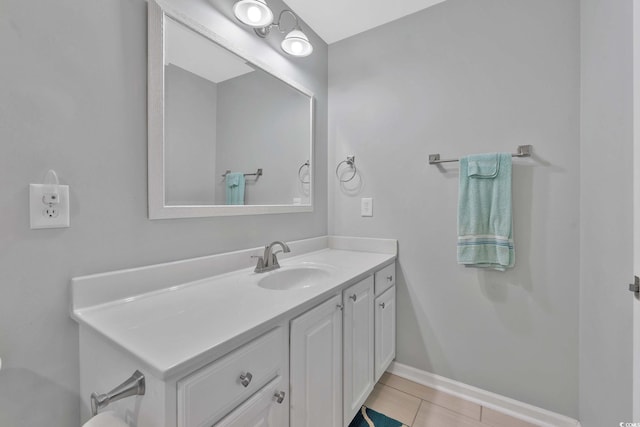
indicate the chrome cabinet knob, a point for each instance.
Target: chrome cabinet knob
{"x":279,"y":395}
{"x":245,"y":379}
{"x":339,"y":306}
{"x":382,"y":305}
{"x":354,"y":297}
{"x":389,"y":278}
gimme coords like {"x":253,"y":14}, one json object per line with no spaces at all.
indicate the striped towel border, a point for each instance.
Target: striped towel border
{"x":485,"y":239}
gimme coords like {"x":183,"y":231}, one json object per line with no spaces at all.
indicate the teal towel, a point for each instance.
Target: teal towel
{"x":485,"y":235}
{"x":235,"y":188}
{"x":484,"y":165}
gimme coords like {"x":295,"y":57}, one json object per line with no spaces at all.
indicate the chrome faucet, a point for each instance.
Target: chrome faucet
{"x":269,"y":261}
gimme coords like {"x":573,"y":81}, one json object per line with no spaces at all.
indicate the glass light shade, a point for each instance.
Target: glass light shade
{"x":254,"y":13}
{"x":296,"y":43}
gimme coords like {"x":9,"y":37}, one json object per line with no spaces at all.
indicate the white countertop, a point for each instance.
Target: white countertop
{"x":173,"y":329}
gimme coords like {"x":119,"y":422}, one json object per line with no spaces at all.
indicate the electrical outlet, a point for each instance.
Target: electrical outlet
{"x":51,"y":212}
{"x":49,"y":205}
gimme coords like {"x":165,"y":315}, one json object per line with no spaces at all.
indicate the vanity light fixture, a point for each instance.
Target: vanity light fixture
{"x":256,"y":14}
{"x":296,"y":43}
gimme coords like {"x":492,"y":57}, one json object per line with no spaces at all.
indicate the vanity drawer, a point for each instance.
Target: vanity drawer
{"x":385,"y":278}
{"x":268,"y":407}
{"x":207,"y":395}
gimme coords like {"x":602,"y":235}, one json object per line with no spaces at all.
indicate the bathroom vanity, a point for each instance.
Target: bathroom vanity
{"x":221,"y":345}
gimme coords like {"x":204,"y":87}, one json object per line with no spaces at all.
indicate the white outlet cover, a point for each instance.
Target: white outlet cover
{"x":37,"y":206}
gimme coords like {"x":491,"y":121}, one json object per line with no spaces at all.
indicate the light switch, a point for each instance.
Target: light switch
{"x":366,"y":206}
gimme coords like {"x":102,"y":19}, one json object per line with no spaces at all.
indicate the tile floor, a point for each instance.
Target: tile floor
{"x":418,"y":406}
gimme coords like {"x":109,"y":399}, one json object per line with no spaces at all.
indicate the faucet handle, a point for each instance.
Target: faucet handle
{"x":260,"y":264}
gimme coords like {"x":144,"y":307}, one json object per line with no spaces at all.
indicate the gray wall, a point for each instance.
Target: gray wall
{"x":190,"y":138}
{"x":459,"y":78}
{"x":606,"y":208}
{"x":73,"y":98}
{"x":262,"y":123}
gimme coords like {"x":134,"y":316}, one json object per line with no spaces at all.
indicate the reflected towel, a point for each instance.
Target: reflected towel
{"x":235,"y":188}
{"x":485,"y":238}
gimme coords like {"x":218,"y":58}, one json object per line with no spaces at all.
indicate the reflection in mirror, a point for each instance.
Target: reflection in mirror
{"x":218,"y":114}
{"x":224,"y":120}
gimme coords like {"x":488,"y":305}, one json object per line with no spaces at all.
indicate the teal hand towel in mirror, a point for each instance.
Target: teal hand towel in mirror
{"x":485,"y":232}
{"x":232,"y":179}
{"x":235,"y":188}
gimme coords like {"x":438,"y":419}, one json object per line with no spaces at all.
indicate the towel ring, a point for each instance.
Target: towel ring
{"x":351,"y":161}
{"x":307,"y":164}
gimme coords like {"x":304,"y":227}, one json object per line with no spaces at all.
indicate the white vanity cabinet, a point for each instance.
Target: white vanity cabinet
{"x":218,"y":349}
{"x":316,"y":366}
{"x":358,"y":346}
{"x":339,"y":349}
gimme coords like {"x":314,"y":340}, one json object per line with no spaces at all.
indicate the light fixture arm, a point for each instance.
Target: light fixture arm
{"x":264,"y":32}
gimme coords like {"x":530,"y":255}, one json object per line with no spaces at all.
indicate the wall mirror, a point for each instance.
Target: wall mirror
{"x":226,"y":136}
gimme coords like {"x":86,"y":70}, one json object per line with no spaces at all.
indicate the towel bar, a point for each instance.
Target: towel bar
{"x":351,"y":162}
{"x":300,"y":177}
{"x":256,"y":174}
{"x":133,"y":386}
{"x":523,"y":151}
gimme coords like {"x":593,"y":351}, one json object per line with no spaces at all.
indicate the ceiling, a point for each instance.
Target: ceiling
{"x":334,"y":20}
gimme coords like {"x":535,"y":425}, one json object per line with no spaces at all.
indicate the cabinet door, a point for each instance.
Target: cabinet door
{"x":385,"y":340}
{"x":358,"y":346}
{"x":316,"y":366}
{"x":266,"y":408}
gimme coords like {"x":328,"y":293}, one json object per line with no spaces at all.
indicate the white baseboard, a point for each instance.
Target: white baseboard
{"x":532,"y":414}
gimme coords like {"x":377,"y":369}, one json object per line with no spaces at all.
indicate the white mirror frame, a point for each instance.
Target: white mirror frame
{"x":158,"y":209}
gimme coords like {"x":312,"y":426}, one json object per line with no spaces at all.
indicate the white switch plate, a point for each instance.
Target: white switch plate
{"x":366,"y":206}
{"x":41,"y":216}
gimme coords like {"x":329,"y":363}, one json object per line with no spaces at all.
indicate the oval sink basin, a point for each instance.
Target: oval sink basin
{"x":293,"y":278}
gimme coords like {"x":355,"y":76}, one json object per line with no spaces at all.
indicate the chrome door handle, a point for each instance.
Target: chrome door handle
{"x":245,"y":379}
{"x":382,"y":305}
{"x":279,"y":395}
{"x":354,"y":297}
